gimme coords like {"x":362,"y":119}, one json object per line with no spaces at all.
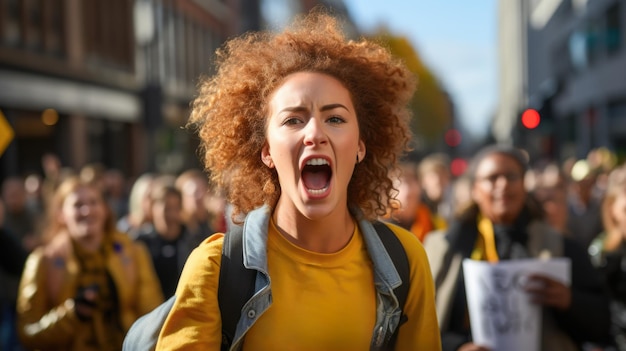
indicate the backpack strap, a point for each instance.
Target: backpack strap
{"x":401,"y":262}
{"x":236,"y":284}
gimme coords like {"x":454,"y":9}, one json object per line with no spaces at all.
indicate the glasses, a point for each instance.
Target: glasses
{"x":493,"y":178}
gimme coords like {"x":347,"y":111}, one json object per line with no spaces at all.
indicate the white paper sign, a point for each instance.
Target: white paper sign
{"x":502,"y":317}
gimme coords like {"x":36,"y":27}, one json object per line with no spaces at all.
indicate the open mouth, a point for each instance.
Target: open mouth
{"x":316,"y":176}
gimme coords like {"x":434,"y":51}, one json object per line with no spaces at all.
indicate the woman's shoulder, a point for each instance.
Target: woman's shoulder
{"x":211,"y":246}
{"x":203,"y":264}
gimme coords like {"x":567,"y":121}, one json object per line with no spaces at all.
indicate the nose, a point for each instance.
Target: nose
{"x":314,"y":132}
{"x":84,"y":210}
{"x":502,"y":183}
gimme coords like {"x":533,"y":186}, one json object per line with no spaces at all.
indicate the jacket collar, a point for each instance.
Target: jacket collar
{"x":255,"y":230}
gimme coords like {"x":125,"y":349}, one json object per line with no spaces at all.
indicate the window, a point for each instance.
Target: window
{"x":613,"y":36}
{"x":33,"y":20}
{"x":578,"y":50}
{"x":53,"y":29}
{"x":10,"y":15}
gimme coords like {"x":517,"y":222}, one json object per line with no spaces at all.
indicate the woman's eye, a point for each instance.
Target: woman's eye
{"x":292,"y":121}
{"x":336,"y":119}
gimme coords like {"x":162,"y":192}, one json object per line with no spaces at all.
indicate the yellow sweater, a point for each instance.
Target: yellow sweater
{"x":320,"y":301}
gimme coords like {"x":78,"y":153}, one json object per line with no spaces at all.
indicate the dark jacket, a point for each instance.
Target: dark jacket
{"x":12,"y":254}
{"x":168,"y":256}
{"x":612,"y":266}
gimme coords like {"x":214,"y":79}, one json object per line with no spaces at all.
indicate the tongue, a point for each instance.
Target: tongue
{"x":315,"y":180}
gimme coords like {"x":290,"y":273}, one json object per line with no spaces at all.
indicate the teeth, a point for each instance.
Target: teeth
{"x":317,"y":191}
{"x":316,"y":162}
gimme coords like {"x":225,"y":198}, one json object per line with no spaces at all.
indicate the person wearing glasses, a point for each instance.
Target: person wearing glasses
{"x":502,"y":222}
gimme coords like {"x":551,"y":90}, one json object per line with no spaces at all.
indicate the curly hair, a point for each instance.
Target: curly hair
{"x":230,"y":111}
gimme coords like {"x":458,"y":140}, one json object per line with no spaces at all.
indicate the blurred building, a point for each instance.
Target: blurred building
{"x":566,"y":59}
{"x":111,"y":81}
{"x":98,"y":80}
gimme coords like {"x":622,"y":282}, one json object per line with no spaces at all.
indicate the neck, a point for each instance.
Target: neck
{"x":324,"y":235}
{"x":89,"y":243}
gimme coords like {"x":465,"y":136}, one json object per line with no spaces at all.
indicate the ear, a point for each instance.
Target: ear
{"x":361,"y":151}
{"x":266,"y":157}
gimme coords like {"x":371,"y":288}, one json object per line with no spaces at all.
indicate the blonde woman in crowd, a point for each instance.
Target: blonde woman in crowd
{"x":608,"y":251}
{"x":88,"y":283}
{"x":139,"y":217}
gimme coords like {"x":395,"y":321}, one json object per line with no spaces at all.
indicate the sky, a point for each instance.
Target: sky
{"x":455,"y":38}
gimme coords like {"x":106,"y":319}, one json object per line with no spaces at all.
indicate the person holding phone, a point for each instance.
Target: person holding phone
{"x":84,"y":288}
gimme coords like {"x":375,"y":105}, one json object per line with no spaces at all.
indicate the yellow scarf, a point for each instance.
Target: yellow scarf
{"x":485,"y":248}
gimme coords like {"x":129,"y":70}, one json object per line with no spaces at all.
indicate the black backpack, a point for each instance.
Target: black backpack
{"x":236,"y":287}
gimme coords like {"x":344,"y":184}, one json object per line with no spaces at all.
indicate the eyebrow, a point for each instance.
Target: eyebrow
{"x":324,"y":108}
{"x":333,"y":106}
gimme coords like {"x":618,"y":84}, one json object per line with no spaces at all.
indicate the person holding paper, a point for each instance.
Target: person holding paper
{"x":503,"y":222}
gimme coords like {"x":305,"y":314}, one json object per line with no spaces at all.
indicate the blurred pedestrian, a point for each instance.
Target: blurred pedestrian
{"x":504,"y":223}
{"x":436,"y":182}
{"x":12,"y":254}
{"x":84,"y":288}
{"x":198,"y":220}
{"x":12,"y":258}
{"x":52,"y":175}
{"x":584,"y":219}
{"x":33,"y":183}
{"x":169,"y":242}
{"x":19,"y":218}
{"x":115,"y":191}
{"x":20,"y":222}
{"x":139,"y":217}
{"x":299,"y":128}
{"x":460,"y":197}
{"x":550,"y":191}
{"x":608,"y":251}
{"x":411,"y":214}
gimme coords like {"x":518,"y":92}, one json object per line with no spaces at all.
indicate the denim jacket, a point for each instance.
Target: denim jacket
{"x":386,"y":278}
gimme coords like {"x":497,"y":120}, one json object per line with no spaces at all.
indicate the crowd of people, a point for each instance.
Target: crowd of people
{"x":170,"y":215}
{"x":86,"y":252}
{"x":304,"y":133}
{"x":506,"y":207}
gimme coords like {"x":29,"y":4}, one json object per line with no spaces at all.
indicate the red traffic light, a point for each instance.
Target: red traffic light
{"x":458,"y":166}
{"x":531,"y":118}
{"x":453,"y":137}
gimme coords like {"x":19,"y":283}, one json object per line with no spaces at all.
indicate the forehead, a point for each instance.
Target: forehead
{"x":309,"y":87}
{"x":498,"y":162}
{"x":82,"y":192}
